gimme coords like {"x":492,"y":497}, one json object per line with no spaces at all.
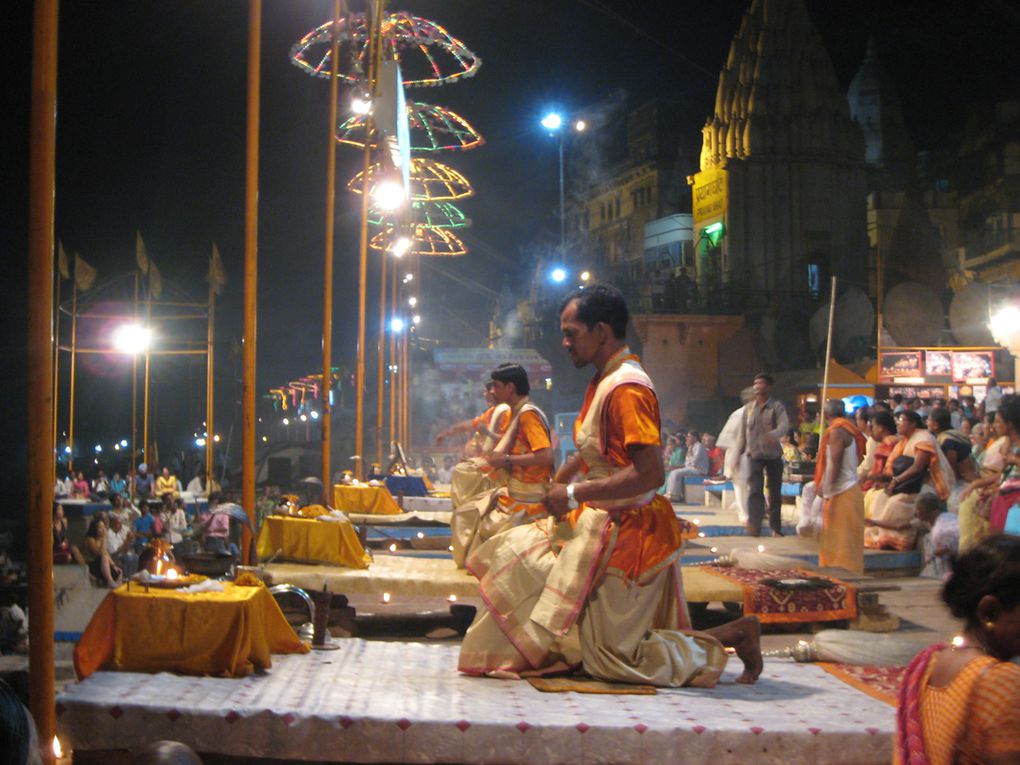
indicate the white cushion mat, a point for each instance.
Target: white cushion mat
{"x":405,"y":702}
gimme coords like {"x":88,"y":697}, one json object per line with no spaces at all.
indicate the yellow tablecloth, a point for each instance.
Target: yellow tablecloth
{"x":227,"y":634}
{"x":310,"y":541}
{"x":364,"y":499}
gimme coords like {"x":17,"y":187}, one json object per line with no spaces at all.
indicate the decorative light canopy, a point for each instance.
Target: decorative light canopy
{"x":428,"y":54}
{"x":433,"y":128}
{"x":431,"y":242}
{"x":429,"y":215}
{"x":431,"y":181}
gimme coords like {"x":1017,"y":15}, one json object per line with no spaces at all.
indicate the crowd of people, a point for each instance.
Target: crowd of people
{"x":143,"y":510}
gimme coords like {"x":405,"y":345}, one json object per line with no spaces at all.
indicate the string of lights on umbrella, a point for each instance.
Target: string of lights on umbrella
{"x":429,"y":55}
{"x":429,"y":215}
{"x":430,"y":242}
{"x":431,"y":181}
{"x":433,"y":128}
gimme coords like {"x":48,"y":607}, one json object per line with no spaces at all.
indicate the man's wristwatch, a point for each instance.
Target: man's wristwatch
{"x":572,"y":504}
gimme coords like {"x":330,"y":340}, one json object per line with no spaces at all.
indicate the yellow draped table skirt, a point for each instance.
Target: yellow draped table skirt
{"x":369,"y":500}
{"x":226,"y":634}
{"x":310,"y":541}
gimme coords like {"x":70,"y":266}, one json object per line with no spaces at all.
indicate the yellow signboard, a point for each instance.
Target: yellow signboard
{"x":710,"y":195}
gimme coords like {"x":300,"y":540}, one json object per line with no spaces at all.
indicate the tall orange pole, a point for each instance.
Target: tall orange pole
{"x":381,"y":348}
{"x":74,"y":343}
{"x":56,"y":376}
{"x":374,"y":51}
{"x":210,"y":428}
{"x":326,"y":417}
{"x":42,"y":189}
{"x":251,"y":216}
{"x":405,"y":341}
{"x":394,"y":435}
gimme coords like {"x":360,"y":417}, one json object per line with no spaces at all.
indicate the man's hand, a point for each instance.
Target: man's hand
{"x":555,"y":500}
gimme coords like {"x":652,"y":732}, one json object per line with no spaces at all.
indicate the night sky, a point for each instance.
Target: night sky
{"x":150,"y":136}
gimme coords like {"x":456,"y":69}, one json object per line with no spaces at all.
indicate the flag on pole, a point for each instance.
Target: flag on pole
{"x":155,"y":280}
{"x":140,"y":257}
{"x":84,"y":274}
{"x":63,"y":266}
{"x":217,"y":274}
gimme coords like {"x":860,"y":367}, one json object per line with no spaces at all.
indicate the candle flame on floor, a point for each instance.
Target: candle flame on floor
{"x":393,"y":547}
{"x":761,"y":548}
{"x":58,"y":750}
{"x":171,"y":573}
{"x":452,"y":598}
{"x":385,"y":597}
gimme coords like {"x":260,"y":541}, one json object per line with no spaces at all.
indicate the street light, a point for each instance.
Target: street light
{"x":131,"y":338}
{"x":396,"y":324}
{"x":388,"y":195}
{"x":558,"y":275}
{"x":553,"y":122}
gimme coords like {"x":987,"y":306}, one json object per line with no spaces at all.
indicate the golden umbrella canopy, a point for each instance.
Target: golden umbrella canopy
{"x":431,"y":181}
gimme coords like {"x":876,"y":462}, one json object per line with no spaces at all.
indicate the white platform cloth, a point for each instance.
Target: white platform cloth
{"x":405,"y":703}
{"x":427,"y":505}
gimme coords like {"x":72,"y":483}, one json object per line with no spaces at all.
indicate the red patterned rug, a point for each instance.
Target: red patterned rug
{"x":774,"y":604}
{"x":882,"y":683}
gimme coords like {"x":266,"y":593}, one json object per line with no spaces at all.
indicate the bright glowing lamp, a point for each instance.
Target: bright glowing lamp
{"x":396,"y":324}
{"x":199,"y":442}
{"x":585,"y":276}
{"x":123,"y":443}
{"x":303,"y":418}
{"x":580,"y":126}
{"x":416,"y":319}
{"x":98,"y":448}
{"x":552,"y":121}
{"x":389,"y":195}
{"x":558,"y":275}
{"x":408,"y":277}
{"x":286,"y":421}
{"x":400,"y":246}
{"x":412,"y":301}
{"x":313,"y":414}
{"x":131,"y":338}
{"x":361,"y":105}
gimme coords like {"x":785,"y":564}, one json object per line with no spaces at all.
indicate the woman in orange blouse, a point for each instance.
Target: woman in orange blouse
{"x":961,"y":704}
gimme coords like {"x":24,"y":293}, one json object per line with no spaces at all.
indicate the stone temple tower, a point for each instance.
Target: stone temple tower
{"x":780,"y":200}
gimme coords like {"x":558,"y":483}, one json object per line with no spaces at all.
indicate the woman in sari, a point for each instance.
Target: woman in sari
{"x":883,"y":433}
{"x":957,"y":448}
{"x":961,"y":703}
{"x":921,"y":466}
{"x":1004,"y":511}
{"x":976,"y":498}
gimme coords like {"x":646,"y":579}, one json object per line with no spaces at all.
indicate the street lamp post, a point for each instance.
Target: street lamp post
{"x":553,"y":122}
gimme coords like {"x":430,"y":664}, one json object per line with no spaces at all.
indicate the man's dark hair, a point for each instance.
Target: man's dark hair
{"x":766,"y":377}
{"x":885,"y":419}
{"x":914,"y":417}
{"x":834,"y":407}
{"x":513,"y":373}
{"x":942,"y":418}
{"x":600,"y":303}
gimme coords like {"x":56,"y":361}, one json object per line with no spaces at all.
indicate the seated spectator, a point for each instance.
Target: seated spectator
{"x":143,"y":483}
{"x":146,"y":527}
{"x":166,"y":483}
{"x":124,"y":509}
{"x":445,"y":473}
{"x":19,"y":742}
{"x":100,"y":485}
{"x":120,"y":542}
{"x":81,"y":487}
{"x":200,"y":487}
{"x":809,"y":425}
{"x":118,"y":486}
{"x":716,"y":456}
{"x":695,"y":463}
{"x":941,"y":539}
{"x":958,"y":703}
{"x":176,"y":523}
{"x":63,"y":551}
{"x":789,"y":444}
{"x":101,"y":566}
{"x":64,"y":488}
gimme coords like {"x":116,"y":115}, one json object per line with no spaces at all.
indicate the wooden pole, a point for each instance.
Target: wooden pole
{"x":394,"y":435}
{"x":879,"y":297}
{"x":251,"y":212}
{"x":74,"y":341}
{"x":42,"y":190}
{"x":210,"y":429}
{"x":145,"y":386}
{"x":327,"y":277}
{"x":381,"y":349}
{"x":56,"y":375}
{"x":405,"y":426}
{"x":134,"y":399}
{"x":828,"y":358}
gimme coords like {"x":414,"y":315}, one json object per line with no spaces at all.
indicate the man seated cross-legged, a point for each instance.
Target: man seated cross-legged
{"x":597,"y":584}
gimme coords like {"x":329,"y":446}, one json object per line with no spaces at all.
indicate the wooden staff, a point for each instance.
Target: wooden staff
{"x":828,"y":358}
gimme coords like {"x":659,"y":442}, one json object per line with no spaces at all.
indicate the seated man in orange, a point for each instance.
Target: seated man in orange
{"x":470,"y":477}
{"x":597,"y":584}
{"x":521,"y":464}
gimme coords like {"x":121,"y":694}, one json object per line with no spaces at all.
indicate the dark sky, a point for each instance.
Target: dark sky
{"x":152,"y":110}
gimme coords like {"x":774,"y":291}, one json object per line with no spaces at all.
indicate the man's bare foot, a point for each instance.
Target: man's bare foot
{"x":743,"y":635}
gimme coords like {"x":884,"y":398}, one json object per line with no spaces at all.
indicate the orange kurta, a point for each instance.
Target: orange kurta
{"x":532,"y":436}
{"x":647,"y":536}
